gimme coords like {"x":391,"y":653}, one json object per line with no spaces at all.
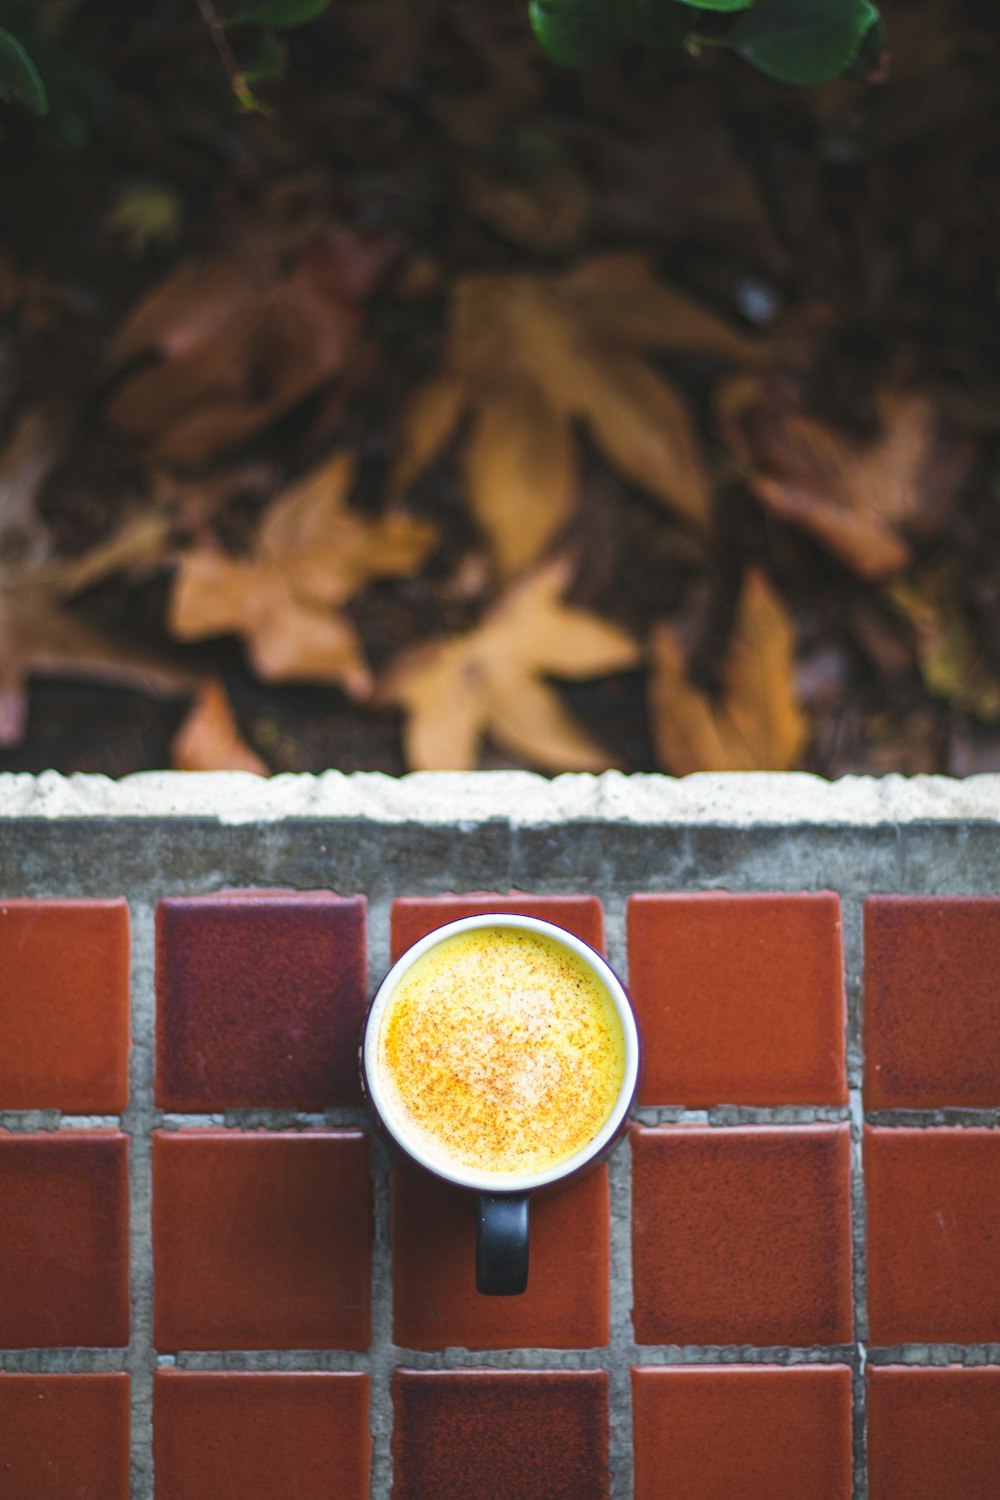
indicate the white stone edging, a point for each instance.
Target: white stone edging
{"x":516,"y":797}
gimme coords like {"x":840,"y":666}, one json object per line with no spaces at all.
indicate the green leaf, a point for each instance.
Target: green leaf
{"x":575,"y":33}
{"x":802,"y":41}
{"x":79,"y":96}
{"x":272,"y":59}
{"x":870,"y":55}
{"x":281,"y":14}
{"x":717,"y":4}
{"x":19,"y":76}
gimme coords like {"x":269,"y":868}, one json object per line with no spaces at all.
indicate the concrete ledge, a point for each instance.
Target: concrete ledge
{"x":759,"y":799}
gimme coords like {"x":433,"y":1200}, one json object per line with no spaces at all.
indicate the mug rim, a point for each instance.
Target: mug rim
{"x":503,"y":1182}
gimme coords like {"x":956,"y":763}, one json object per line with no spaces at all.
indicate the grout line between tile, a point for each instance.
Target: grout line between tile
{"x":619,"y":1357}
{"x":34,"y":1121}
{"x":928,"y":1119}
{"x":969,"y":1355}
{"x":63,"y":1361}
{"x":348,"y":1118}
{"x":853,"y":951}
{"x":722,"y":1117}
{"x":731,"y":1116}
{"x":137,"y":1122}
{"x":785,"y":1355}
{"x":268,"y":1359}
{"x":78,"y":1361}
{"x":620,"y":1351}
{"x":382,"y":1357}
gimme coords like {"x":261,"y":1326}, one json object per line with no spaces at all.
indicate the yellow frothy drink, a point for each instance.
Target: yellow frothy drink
{"x":501,"y":1051}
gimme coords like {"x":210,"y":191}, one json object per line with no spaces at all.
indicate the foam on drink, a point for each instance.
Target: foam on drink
{"x":501,"y":1051}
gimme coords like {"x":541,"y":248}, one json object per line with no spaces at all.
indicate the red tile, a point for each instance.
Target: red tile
{"x":933,"y":1236}
{"x":261,"y":998}
{"x":742,"y":1236}
{"x":413,"y":917}
{"x":64,"y":1029}
{"x":740,"y":999}
{"x":539,"y":1435}
{"x":64,"y":1437}
{"x":933,"y":1434}
{"x":261,"y":1241}
{"x":743,"y":1432}
{"x":931,"y":1007}
{"x":64,"y":1240}
{"x":435,"y":1302}
{"x":260,"y":1437}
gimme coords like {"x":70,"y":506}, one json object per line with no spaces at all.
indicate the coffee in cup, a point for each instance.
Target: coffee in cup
{"x":501,"y":1054}
{"x":501,"y":1051}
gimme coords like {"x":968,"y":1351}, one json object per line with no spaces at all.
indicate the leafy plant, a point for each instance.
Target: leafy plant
{"x":795,"y":41}
{"x":267,"y":18}
{"x":44,"y":78}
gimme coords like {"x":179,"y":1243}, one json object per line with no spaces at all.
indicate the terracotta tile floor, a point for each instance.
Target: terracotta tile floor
{"x":308,"y":1310}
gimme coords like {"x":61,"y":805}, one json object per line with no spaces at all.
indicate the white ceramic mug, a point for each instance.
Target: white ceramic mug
{"x":502,"y":1235}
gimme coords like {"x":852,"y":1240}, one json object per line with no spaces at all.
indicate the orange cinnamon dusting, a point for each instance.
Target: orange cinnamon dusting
{"x":501,"y":1051}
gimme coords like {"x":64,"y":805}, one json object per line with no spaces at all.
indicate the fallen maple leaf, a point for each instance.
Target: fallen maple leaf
{"x":209,"y":738}
{"x":311,"y":555}
{"x":529,"y":353}
{"x":28,"y":458}
{"x":520,"y":474}
{"x":856,"y":498}
{"x":490,"y":682}
{"x":229,"y":342}
{"x":37,"y":634}
{"x":39,"y":638}
{"x":755,"y":723}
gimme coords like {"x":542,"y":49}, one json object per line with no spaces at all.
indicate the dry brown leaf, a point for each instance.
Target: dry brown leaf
{"x":755,"y":724}
{"x":857,"y":499}
{"x":36,"y":634}
{"x":548,"y":216}
{"x":28,"y":458}
{"x":491,"y":682}
{"x":519,"y":475}
{"x":228,"y":343}
{"x":618,"y":297}
{"x":209,"y":739}
{"x":141,"y":541}
{"x":646,"y":432}
{"x":431,"y":416}
{"x":561,"y":347}
{"x":311,"y":556}
{"x":37,"y":637}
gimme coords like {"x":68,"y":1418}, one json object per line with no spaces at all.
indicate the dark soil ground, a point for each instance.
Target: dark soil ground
{"x":872,"y":210}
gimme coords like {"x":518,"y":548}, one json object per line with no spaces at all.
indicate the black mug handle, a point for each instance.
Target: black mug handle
{"x":502,"y":1244}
